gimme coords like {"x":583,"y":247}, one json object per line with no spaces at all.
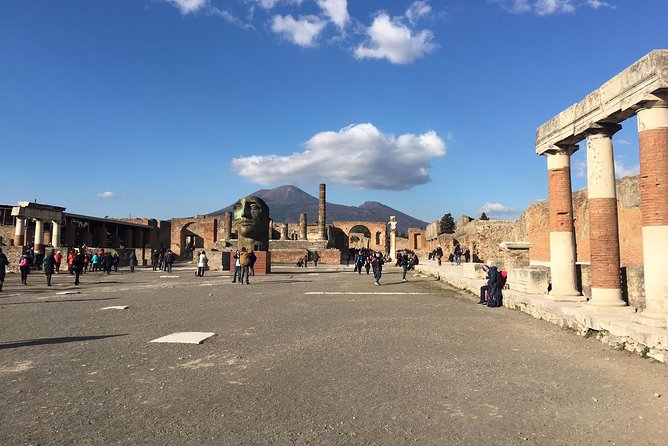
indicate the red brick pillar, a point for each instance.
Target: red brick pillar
{"x":653,"y":135}
{"x":562,"y":229}
{"x":606,"y":287}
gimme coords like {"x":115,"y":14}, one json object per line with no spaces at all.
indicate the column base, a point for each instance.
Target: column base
{"x":606,"y":297}
{"x":571,"y":297}
{"x":651,"y":319}
{"x":608,"y":309}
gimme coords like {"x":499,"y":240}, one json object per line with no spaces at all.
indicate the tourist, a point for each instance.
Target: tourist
{"x":59,"y":258}
{"x":24,"y":267}
{"x":107,"y":262}
{"x":133,"y":261}
{"x":458,"y":254}
{"x":70,"y":259}
{"x":367,"y":261}
{"x":377,"y":262}
{"x":316,"y":257}
{"x":170,"y":258}
{"x":252,"y":258}
{"x":3,"y":265}
{"x":237,"y":267}
{"x":95,"y":264}
{"x":79,"y":265}
{"x":155,"y":256}
{"x":467,"y":255}
{"x":404,"y":263}
{"x":306,"y":259}
{"x":244,"y":261}
{"x":116,"y":260}
{"x":359,"y":262}
{"x":439,"y":254}
{"x":201,"y":264}
{"x":49,"y":266}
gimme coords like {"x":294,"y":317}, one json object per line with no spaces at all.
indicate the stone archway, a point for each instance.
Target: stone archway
{"x":359,"y":237}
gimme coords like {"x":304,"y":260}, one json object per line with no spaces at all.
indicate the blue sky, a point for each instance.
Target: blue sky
{"x":171,"y":108}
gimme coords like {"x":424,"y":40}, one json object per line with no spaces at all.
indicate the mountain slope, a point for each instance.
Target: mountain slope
{"x":287,"y":202}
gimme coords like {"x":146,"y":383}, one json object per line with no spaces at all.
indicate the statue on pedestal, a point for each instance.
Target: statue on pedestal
{"x":251,"y":218}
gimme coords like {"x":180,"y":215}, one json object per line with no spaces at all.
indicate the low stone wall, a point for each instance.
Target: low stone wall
{"x":532,"y":280}
{"x":291,"y":256}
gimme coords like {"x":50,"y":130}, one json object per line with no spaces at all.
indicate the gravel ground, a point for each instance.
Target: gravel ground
{"x":317,"y":356}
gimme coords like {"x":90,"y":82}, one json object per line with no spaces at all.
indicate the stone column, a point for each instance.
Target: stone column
{"x":227,"y":225}
{"x":322,"y":214}
{"x":39,"y":235}
{"x":55,"y":233}
{"x":284,"y":231}
{"x":562,"y":229}
{"x":302,"y":227}
{"x":603,"y":221}
{"x":393,"y":237}
{"x":19,"y":232}
{"x":270,"y":229}
{"x":653,"y":135}
{"x":129,"y":243}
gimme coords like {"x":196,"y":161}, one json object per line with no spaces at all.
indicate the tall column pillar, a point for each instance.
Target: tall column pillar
{"x":653,"y":135}
{"x":19,"y":232}
{"x":284,"y":231}
{"x":227,"y":225}
{"x":393,"y":237}
{"x":322,"y":213}
{"x":603,"y":221}
{"x":55,"y":233}
{"x":562,"y":229}
{"x":271,"y":230}
{"x":39,"y":235}
{"x":303,"y":235}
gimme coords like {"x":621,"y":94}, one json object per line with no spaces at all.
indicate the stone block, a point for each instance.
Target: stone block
{"x":532,"y":280}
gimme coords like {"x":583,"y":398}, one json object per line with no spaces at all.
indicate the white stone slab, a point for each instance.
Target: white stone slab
{"x":116,"y":307}
{"x":68,"y":292}
{"x":185,"y":337}
{"x":169,"y":277}
{"x":362,"y":293}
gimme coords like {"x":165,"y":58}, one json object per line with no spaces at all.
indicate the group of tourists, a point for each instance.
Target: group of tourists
{"x":369,"y":260}
{"x":454,"y":257}
{"x":162,"y":260}
{"x":313,"y":256}
{"x":244,"y":265}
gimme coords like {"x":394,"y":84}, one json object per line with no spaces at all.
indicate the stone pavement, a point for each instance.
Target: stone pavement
{"x":614,"y":326}
{"x":316,"y":356}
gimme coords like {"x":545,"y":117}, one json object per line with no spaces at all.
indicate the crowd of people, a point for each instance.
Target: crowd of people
{"x":454,"y":256}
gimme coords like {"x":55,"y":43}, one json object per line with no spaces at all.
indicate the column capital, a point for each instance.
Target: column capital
{"x":603,"y":129}
{"x":562,"y":149}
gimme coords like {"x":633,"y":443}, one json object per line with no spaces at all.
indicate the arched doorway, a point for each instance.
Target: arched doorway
{"x":359,"y":237}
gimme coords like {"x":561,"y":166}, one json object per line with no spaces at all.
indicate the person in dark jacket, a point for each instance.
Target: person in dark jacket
{"x":108,"y":262}
{"x":133,"y":261}
{"x":403,"y":262}
{"x":494,"y":295}
{"x":78,"y":265}
{"x":49,"y":264}
{"x":3,"y":268}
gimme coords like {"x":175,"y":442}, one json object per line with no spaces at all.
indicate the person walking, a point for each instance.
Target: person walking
{"x":3,"y":268}
{"x":155,"y":255}
{"x":24,"y":267}
{"x":237,"y":267}
{"x":244,"y":261}
{"x":404,"y":265}
{"x":439,"y":254}
{"x":201,"y":264}
{"x":133,"y":261}
{"x":49,"y":266}
{"x":116,"y":259}
{"x":70,"y":259}
{"x":458,"y":254}
{"x":316,"y":257}
{"x":108,"y":262}
{"x":59,"y":258}
{"x":377,"y":263}
{"x":78,"y":265}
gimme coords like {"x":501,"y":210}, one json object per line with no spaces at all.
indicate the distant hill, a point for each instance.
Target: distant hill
{"x":287,"y":202}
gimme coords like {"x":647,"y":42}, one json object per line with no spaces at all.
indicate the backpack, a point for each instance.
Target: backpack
{"x":23,"y":261}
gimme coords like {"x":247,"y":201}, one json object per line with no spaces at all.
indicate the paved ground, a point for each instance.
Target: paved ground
{"x":307,"y":357}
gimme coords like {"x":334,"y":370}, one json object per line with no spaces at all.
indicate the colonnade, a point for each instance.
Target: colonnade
{"x":640,"y":90}
{"x":20,"y":233}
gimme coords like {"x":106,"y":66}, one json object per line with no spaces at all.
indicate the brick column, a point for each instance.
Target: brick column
{"x":19,"y":232}
{"x":603,"y":222}
{"x":322,"y":213}
{"x":39,"y":235}
{"x":227,"y":225}
{"x":562,"y":229}
{"x":653,"y":135}
{"x":284,"y":231}
{"x":303,"y":235}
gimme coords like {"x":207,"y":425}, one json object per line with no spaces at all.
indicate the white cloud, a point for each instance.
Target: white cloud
{"x":390,"y":39}
{"x":622,"y":170}
{"x":107,"y":195}
{"x":539,"y":7}
{"x":189,"y":6}
{"x":596,"y":4}
{"x":336,"y":10}
{"x":497,"y":209}
{"x":303,"y":32}
{"x":417,"y":10}
{"x":359,"y":155}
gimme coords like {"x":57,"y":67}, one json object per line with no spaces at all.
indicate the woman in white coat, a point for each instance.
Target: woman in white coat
{"x":201,"y":264}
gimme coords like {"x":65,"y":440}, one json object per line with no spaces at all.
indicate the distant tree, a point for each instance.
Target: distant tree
{"x":484,"y":216}
{"x":447,"y":224}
